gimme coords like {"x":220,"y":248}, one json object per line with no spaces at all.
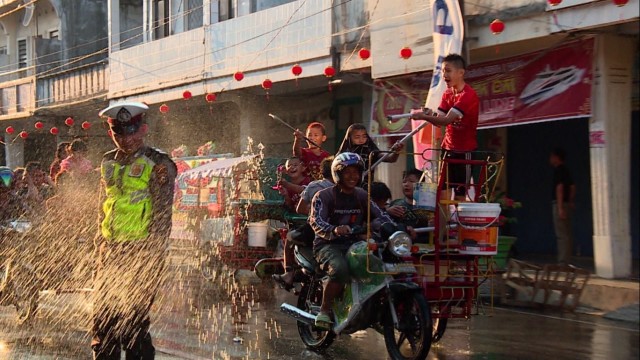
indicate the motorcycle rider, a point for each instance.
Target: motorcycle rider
{"x":136,"y":195}
{"x":335,"y":212}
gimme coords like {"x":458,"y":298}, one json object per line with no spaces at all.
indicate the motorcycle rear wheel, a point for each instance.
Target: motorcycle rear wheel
{"x":411,"y":339}
{"x":314,"y":338}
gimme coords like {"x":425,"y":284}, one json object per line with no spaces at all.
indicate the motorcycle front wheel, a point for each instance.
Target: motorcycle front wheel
{"x":314,"y":338}
{"x":411,"y":338}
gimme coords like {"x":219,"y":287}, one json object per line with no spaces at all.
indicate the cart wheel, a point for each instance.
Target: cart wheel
{"x":439,"y":325}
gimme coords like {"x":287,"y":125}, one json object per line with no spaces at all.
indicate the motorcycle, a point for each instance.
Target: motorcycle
{"x":13,"y":289}
{"x":379,"y":296}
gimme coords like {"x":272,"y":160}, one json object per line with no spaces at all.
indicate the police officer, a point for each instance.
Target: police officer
{"x":136,"y":196}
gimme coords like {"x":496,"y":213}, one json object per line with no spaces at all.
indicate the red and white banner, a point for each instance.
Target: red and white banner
{"x":546,"y":85}
{"x":448,"y":32}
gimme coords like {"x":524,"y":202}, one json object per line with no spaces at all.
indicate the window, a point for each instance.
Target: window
{"x":22,"y":53}
{"x":54,"y":34}
{"x":226,"y":9}
{"x":3,"y":50}
{"x":194,"y":14}
{"x":160,"y":18}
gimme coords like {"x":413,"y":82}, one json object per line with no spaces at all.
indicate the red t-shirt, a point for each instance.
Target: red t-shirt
{"x":312,"y":161}
{"x":460,"y":135}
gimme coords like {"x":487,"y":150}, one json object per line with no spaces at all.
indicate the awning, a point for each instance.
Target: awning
{"x":216,"y":168}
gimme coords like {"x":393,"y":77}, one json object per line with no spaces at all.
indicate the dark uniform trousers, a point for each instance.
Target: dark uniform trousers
{"x":127,"y":280}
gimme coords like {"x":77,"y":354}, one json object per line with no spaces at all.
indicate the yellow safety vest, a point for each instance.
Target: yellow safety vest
{"x":127,"y":207}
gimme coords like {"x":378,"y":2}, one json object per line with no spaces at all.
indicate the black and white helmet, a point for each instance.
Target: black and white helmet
{"x":342,"y":161}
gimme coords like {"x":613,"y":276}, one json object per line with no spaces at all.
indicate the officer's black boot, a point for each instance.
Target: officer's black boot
{"x":141,"y":349}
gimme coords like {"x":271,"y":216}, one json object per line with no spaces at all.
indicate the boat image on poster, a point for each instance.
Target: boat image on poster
{"x":549,"y":83}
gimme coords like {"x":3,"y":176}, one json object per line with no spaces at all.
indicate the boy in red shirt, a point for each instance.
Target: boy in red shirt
{"x":458,"y":111}
{"x":313,"y":155}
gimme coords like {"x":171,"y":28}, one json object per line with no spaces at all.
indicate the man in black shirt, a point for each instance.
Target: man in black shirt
{"x":562,"y":196}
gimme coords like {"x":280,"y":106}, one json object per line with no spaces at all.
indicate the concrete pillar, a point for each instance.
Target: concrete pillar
{"x":113,"y":9}
{"x":610,"y":139}
{"x":14,"y":151}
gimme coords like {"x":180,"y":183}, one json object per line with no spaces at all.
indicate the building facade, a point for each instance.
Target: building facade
{"x":175,"y":52}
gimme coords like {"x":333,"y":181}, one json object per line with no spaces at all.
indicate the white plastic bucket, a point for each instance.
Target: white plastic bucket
{"x":478,"y":214}
{"x":257,"y":234}
{"x":424,"y":195}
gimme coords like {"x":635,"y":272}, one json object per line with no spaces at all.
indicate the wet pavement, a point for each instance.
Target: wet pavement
{"x":198,"y":319}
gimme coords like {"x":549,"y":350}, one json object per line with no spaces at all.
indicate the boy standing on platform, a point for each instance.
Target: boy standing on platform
{"x":312,"y":155}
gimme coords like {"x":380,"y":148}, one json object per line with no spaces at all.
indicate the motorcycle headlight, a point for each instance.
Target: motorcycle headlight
{"x":400,"y":244}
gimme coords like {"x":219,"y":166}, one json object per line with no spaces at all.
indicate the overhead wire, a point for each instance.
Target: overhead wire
{"x":204,"y":54}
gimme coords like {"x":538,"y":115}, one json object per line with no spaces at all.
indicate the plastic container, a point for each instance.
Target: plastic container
{"x":478,"y":214}
{"x":424,"y":195}
{"x":478,"y":241}
{"x":257,"y":234}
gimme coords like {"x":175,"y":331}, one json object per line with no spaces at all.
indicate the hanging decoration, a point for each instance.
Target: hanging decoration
{"x":54,"y":131}
{"x":554,"y":2}
{"x":109,"y":133}
{"x":496,"y":26}
{"x":329,"y":73}
{"x":296,"y":70}
{"x":238,"y":76}
{"x":267,"y":84}
{"x":23,"y":134}
{"x":38,"y":125}
{"x":620,"y":2}
{"x":210,"y":97}
{"x":164,"y":108}
{"x":69,"y":121}
{"x":85,"y":125}
{"x":9,"y":130}
{"x":186,"y":95}
{"x":364,"y":53}
{"x":406,"y":52}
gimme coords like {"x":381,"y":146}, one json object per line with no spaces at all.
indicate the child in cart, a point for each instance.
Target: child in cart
{"x":358,"y":141}
{"x":404,"y":211}
{"x":313,"y":154}
{"x":298,"y":180}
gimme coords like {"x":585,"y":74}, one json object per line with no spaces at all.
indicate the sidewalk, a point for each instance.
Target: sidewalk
{"x":617,"y":299}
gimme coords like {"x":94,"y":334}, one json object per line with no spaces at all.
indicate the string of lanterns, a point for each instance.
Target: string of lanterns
{"x":39,"y":125}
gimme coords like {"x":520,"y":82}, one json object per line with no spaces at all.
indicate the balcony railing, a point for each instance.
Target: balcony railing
{"x":17,"y":96}
{"x":81,"y":83}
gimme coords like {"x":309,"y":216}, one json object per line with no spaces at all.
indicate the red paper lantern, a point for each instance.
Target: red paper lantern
{"x":9,"y":130}
{"x":406,"y":52}
{"x":85,"y":125}
{"x":554,"y":2}
{"x":186,"y":95}
{"x":620,"y":2}
{"x":329,"y":71}
{"x":238,"y":76}
{"x":364,"y":54}
{"x":296,"y":70}
{"x":496,"y":27}
{"x":23,"y":134}
{"x":39,"y":125}
{"x":164,"y":108}
{"x":69,"y":121}
{"x":54,"y":131}
{"x":210,"y":97}
{"x":267,"y":84}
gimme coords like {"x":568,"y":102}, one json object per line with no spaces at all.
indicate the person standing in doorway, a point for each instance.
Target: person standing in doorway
{"x":563,"y":195}
{"x":136,"y":196}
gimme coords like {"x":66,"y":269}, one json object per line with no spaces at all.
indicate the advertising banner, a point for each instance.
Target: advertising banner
{"x":546,"y":85}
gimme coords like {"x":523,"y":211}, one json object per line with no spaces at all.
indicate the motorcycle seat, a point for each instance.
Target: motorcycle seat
{"x":304,"y":255}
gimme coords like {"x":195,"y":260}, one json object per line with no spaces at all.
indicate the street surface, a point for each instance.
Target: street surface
{"x":195,"y":319}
